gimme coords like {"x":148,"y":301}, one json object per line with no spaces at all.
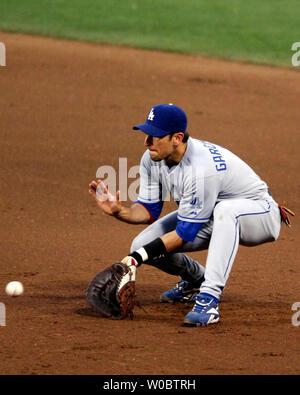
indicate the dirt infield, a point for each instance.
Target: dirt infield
{"x":66,"y":109}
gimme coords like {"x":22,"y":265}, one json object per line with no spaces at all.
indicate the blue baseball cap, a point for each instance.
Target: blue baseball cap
{"x":163,"y":119}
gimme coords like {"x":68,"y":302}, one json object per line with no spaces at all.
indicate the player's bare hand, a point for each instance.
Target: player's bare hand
{"x":108,"y":202}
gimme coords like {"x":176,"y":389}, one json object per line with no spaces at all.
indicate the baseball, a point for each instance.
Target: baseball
{"x":14,"y":288}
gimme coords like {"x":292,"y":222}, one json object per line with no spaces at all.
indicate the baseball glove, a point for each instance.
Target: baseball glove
{"x":284,"y":213}
{"x":111,"y":292}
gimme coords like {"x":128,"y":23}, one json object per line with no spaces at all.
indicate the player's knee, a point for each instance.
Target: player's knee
{"x":137,"y":243}
{"x":134,"y":245}
{"x":276,"y":230}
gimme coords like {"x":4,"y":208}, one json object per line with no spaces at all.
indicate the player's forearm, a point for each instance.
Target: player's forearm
{"x":136,"y":214}
{"x":172,"y":241}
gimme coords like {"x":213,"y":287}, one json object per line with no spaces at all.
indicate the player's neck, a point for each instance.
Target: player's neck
{"x":176,"y":155}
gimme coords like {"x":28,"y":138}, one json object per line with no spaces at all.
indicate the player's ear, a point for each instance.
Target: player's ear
{"x":178,"y":137}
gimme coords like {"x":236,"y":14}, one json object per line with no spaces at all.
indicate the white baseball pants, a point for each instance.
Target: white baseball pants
{"x":234,"y":221}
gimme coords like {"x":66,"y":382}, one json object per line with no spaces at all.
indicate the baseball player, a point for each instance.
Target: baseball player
{"x":221,"y":201}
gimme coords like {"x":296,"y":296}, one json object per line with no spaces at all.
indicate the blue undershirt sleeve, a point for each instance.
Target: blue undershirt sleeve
{"x":188,"y":230}
{"x":153,"y":208}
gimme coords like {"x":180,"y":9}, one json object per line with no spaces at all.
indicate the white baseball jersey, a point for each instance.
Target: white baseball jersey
{"x":207,"y":174}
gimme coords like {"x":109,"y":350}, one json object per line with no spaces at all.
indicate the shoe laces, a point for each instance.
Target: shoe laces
{"x":180,"y":286}
{"x":203,"y":303}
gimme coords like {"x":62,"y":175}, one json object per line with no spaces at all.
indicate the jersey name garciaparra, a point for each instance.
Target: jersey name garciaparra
{"x":206,"y":174}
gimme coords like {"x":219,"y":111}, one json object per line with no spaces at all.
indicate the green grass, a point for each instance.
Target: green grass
{"x":260,"y":31}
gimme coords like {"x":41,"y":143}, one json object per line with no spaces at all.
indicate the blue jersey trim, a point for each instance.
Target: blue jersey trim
{"x":194,"y":219}
{"x":187,"y":230}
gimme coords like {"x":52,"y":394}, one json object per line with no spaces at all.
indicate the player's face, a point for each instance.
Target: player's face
{"x":159,"y":147}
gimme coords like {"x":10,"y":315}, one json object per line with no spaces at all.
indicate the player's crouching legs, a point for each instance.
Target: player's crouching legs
{"x":157,"y":229}
{"x":178,"y":264}
{"x":221,"y":253}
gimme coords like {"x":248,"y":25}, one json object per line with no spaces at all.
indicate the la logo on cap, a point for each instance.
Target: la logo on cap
{"x":151,"y":115}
